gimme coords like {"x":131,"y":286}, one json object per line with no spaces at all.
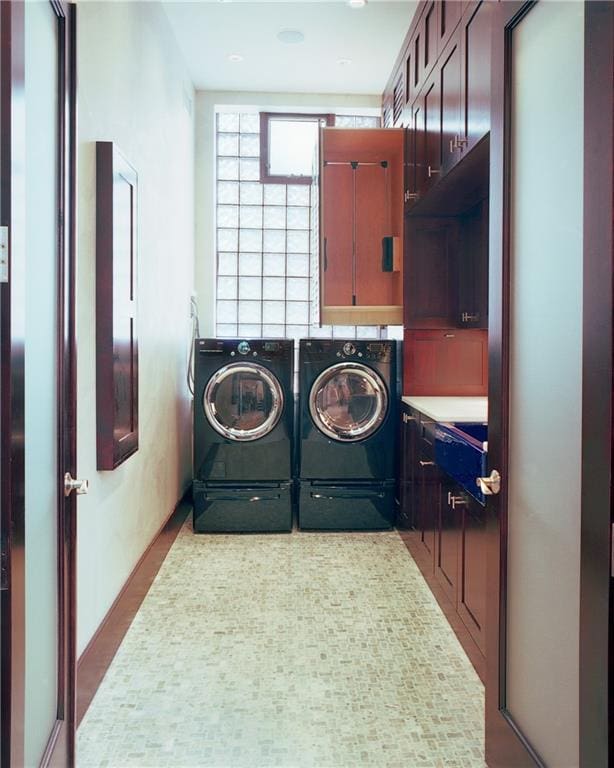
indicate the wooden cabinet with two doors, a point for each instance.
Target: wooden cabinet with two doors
{"x":444,"y":527}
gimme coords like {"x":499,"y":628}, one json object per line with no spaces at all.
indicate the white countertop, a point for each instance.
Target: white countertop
{"x":460,"y":409}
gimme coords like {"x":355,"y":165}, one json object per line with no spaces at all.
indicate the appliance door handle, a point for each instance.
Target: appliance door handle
{"x":235,"y":497}
{"x":349,"y":495}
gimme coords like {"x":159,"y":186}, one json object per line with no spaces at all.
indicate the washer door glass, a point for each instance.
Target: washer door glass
{"x":348,"y":402}
{"x":243,"y":401}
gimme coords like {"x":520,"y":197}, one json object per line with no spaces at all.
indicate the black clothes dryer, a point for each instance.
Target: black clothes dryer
{"x":243,"y":435}
{"x":348,"y":434}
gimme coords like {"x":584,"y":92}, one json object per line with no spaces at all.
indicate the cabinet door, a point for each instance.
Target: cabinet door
{"x":476,"y":26}
{"x":430,"y":35}
{"x":447,"y":542}
{"x":373,"y":215}
{"x":473,"y":268}
{"x":446,"y":363}
{"x":428,"y":478}
{"x":450,"y":87}
{"x":431,"y":249}
{"x":447,"y":22}
{"x":432,"y":129}
{"x":418,"y":153}
{"x":472,"y":572}
{"x":407,"y":484}
{"x":337,"y":210}
{"x":410,"y":163}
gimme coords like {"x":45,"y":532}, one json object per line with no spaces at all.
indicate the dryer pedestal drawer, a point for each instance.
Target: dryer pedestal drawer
{"x":231,"y":509}
{"x":349,"y":507}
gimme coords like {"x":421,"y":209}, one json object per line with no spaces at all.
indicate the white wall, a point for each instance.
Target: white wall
{"x":134,"y":90}
{"x":205,"y":169}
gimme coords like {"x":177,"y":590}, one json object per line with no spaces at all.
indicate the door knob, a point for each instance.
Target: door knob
{"x":79,"y":486}
{"x":490,"y":485}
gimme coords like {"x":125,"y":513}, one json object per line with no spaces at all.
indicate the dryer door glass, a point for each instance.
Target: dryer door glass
{"x":243,"y":401}
{"x":348,"y":402}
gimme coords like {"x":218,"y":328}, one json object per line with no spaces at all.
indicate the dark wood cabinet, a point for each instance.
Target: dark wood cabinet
{"x":475,"y":29}
{"x":451,"y":99}
{"x":361,"y":226}
{"x":444,"y":528}
{"x":447,"y":22}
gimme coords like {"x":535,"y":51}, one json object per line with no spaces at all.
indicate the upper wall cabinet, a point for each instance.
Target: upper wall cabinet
{"x":361,"y":226}
{"x":445,"y":71}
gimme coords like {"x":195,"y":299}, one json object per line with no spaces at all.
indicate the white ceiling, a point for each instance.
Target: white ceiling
{"x":208,"y":32}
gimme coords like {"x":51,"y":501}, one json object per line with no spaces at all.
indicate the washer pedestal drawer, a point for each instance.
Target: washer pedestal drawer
{"x":360,"y":506}
{"x":257,"y":508}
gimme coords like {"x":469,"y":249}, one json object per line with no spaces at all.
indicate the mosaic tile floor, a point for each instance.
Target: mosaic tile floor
{"x":323,"y":650}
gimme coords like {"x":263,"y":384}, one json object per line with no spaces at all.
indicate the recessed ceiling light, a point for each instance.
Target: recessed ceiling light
{"x":357,"y":3}
{"x":290,"y":36}
{"x":235,"y":57}
{"x":344,"y":62}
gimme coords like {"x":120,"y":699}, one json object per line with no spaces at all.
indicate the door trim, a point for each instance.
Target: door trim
{"x":505,"y":745}
{"x":12,"y":323}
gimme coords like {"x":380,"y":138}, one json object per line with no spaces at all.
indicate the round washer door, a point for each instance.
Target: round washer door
{"x":348,"y":402}
{"x":243,"y":401}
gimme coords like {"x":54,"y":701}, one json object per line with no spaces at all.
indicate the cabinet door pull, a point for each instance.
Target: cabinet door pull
{"x":433,"y":171}
{"x":458,"y":501}
{"x":461,"y":142}
{"x":426,"y":463}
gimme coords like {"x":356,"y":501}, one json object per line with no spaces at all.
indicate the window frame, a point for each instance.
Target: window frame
{"x":265,"y":118}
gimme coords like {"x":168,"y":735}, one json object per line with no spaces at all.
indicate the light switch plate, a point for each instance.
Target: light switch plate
{"x":4,"y":254}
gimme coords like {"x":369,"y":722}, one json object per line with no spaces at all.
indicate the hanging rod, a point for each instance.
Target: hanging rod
{"x":356,"y":163}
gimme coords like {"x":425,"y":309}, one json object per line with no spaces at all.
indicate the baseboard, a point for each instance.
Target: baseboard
{"x":98,"y":655}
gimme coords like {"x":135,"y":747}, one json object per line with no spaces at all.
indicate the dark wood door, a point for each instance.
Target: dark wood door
{"x":449,"y":16}
{"x":450,"y":87}
{"x":407,"y":459}
{"x":447,"y":543}
{"x":373,"y":222}
{"x":428,"y":481}
{"x":476,"y":42}
{"x":472,"y":569}
{"x":38,"y":384}
{"x":548,"y":614}
{"x":432,"y":132}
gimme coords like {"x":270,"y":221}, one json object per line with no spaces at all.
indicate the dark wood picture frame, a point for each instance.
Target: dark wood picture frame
{"x":265,"y":117}
{"x":116,"y":333}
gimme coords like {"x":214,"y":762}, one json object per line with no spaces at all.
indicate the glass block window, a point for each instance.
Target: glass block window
{"x":265,"y":264}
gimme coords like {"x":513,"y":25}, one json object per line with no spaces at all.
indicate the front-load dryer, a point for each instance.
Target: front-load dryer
{"x":348,"y":434}
{"x":243,"y":435}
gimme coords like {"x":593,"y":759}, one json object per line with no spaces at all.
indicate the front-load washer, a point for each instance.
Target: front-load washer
{"x":243,"y":434}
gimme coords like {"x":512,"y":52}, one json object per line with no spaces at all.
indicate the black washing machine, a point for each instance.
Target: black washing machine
{"x":243,"y":435}
{"x":349,"y":392}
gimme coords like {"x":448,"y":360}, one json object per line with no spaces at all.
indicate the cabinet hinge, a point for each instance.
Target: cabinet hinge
{"x":4,"y":254}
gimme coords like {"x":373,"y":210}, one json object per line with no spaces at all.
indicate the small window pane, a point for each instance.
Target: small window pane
{"x":274,"y":194}
{"x":227,"y":192}
{"x":344,"y":331}
{"x":226,"y":331}
{"x":345,"y":121}
{"x":250,"y":240}
{"x":227,"y":263}
{"x":250,"y":122}
{"x":228,"y":144}
{"x":298,"y":264}
{"x":297,"y":331}
{"x":274,"y":311}
{"x":250,"y":145}
{"x":298,"y":242}
{"x":367,"y":332}
{"x":227,"y":168}
{"x":274,"y":240}
{"x":249,"y":311}
{"x":298,"y":194}
{"x":227,"y":239}
{"x":323,"y":332}
{"x":298,"y":218}
{"x":249,"y":169}
{"x":298,"y":289}
{"x":228,"y":216}
{"x":367,"y":122}
{"x":250,"y":264}
{"x":226,"y":287}
{"x":228,"y":121}
{"x":250,"y":331}
{"x":226,"y":311}
{"x":297,"y":312}
{"x":274,"y":264}
{"x":292,"y":145}
{"x":250,"y":288}
{"x":251,"y":193}
{"x":275,"y":216}
{"x":251,"y":216}
{"x":274,"y":288}
{"x":274,"y":331}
